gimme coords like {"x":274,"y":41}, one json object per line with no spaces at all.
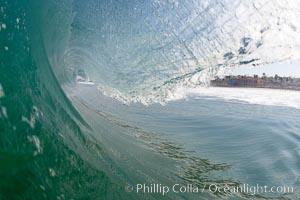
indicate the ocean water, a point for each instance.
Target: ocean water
{"x":147,"y":119}
{"x":233,"y":141}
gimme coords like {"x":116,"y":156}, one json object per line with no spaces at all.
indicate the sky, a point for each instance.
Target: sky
{"x":282,"y":69}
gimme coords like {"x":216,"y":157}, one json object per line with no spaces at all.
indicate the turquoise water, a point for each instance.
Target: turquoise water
{"x":62,"y":140}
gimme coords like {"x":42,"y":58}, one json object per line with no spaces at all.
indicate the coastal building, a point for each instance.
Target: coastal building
{"x":255,"y":81}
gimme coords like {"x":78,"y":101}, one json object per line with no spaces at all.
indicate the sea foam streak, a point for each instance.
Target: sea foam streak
{"x":259,"y":96}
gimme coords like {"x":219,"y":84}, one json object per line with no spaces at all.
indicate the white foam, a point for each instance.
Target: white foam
{"x":33,"y":117}
{"x":31,"y":122}
{"x":52,"y":172}
{"x":1,"y":91}
{"x":262,"y":96}
{"x":4,"y":111}
{"x":35,"y":140}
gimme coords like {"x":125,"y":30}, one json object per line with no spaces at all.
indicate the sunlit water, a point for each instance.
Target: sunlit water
{"x":260,"y":143}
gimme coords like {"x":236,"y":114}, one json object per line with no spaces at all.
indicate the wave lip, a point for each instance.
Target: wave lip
{"x":145,"y":55}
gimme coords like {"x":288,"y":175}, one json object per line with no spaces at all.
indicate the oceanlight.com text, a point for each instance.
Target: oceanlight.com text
{"x":211,"y":188}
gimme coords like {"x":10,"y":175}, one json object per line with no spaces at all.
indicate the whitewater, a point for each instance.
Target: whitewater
{"x":260,"y":96}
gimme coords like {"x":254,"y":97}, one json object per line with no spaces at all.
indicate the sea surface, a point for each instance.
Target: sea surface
{"x":214,"y":139}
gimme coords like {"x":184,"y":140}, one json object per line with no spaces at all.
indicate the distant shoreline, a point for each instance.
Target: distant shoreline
{"x":276,"y":82}
{"x":291,"y":89}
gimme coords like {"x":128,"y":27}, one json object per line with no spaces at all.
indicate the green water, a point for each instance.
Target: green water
{"x":45,"y":168}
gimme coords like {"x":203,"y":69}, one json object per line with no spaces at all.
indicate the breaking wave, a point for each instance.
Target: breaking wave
{"x":54,"y":146}
{"x":141,"y":52}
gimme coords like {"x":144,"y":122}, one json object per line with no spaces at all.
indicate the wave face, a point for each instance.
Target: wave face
{"x":142,"y":51}
{"x":42,"y":144}
{"x":135,"y":51}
